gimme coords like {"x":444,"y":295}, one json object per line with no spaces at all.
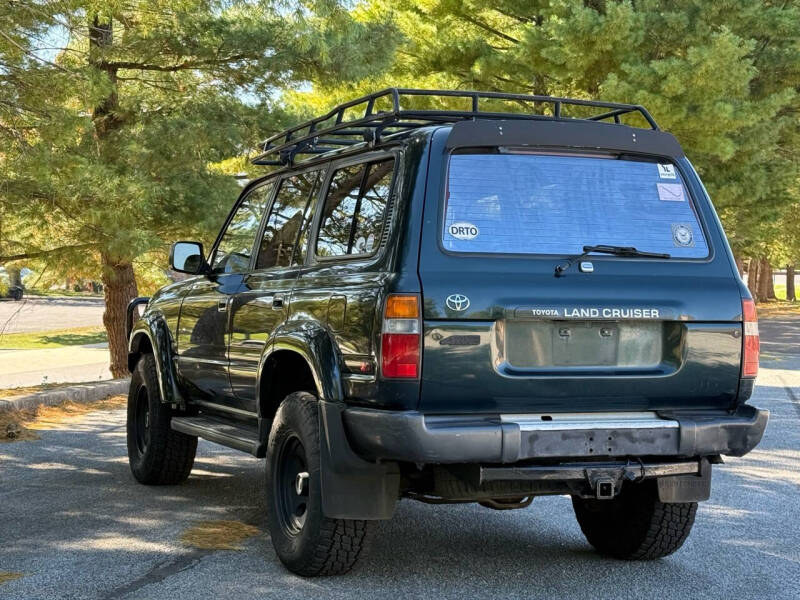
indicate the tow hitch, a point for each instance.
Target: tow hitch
{"x":604,"y":489}
{"x":679,"y":481}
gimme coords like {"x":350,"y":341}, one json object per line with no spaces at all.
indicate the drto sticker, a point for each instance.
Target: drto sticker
{"x":463,"y":230}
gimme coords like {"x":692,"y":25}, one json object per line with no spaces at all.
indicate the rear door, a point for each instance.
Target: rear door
{"x":504,"y":334}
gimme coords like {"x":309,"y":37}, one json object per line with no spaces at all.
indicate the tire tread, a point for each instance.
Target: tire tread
{"x":173,"y":452}
{"x":338,"y":543}
{"x":635,"y":525}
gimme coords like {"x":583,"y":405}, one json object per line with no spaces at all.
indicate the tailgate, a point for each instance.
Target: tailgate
{"x":518,"y":351}
{"x":503,"y":334}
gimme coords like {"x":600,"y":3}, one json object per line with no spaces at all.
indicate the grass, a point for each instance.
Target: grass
{"x":26,"y":391}
{"x":22,"y":425}
{"x":778,"y":308}
{"x":72,"y":293}
{"x":218,"y":535}
{"x":77,"y":336}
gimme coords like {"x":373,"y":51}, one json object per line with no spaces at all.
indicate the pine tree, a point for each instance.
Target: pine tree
{"x":113,"y":135}
{"x":722,"y":76}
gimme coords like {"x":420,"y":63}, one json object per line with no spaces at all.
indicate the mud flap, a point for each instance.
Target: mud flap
{"x":686,"y":488}
{"x":352,"y":488}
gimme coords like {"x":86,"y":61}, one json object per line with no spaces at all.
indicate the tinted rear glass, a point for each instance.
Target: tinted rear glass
{"x":542,"y":204}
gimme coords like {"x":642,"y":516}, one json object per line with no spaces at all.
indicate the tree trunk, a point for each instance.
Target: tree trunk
{"x":790,"y":296}
{"x":752,"y":278}
{"x":119,"y":283}
{"x":739,"y":265}
{"x":119,"y":288}
{"x":766,"y":288}
{"x":14,"y":275}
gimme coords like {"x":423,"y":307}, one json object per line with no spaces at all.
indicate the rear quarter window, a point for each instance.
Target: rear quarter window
{"x":556,"y":204}
{"x":354,"y":213}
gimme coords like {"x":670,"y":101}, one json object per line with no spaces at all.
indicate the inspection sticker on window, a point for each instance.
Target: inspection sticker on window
{"x":666,"y":171}
{"x":463,"y":230}
{"x":670,"y":192}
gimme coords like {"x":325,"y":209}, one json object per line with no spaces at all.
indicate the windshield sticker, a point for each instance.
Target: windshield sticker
{"x":682,"y":235}
{"x":666,"y":171}
{"x":463,"y":230}
{"x":670,"y":192}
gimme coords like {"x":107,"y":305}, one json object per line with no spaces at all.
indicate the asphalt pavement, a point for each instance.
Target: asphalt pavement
{"x":32,"y":314}
{"x":75,"y":523}
{"x":69,"y":364}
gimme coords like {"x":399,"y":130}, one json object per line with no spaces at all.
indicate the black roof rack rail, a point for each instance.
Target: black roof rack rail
{"x":317,"y":136}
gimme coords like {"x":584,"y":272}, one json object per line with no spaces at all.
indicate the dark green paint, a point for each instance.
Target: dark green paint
{"x":216,"y":332}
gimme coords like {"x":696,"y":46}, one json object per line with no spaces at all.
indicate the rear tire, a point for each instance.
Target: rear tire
{"x":157,"y":454}
{"x":306,"y":541}
{"x":635,"y":525}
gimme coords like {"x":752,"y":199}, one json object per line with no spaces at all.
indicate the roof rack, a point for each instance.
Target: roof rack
{"x":332,"y":130}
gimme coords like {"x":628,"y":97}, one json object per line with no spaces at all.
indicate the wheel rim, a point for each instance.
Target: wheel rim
{"x":291,"y":482}
{"x":142,"y":420}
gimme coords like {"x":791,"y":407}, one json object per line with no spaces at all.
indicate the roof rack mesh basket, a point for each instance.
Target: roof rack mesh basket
{"x":368,"y":117}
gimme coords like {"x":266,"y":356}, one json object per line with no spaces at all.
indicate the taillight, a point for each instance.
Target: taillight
{"x":400,"y":337}
{"x":751,"y":343}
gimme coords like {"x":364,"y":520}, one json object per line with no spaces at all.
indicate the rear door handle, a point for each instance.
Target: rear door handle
{"x":222,"y":305}
{"x":277,"y":301}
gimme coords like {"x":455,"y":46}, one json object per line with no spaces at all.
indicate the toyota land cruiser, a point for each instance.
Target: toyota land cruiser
{"x":484,"y":304}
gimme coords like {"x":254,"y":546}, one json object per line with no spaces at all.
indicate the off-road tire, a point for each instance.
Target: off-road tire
{"x":635,"y":525}
{"x":165,"y":457}
{"x":321,"y":546}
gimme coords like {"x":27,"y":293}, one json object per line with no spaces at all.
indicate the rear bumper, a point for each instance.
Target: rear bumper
{"x":439,"y":439}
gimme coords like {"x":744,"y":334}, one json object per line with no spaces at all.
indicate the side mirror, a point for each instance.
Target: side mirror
{"x":187,"y":257}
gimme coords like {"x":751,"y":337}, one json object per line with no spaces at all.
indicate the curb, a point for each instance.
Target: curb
{"x":82,"y":392}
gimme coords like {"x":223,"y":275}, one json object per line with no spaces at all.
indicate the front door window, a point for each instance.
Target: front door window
{"x":236,"y":246}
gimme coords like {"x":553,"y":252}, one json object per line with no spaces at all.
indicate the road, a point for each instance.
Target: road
{"x":33,"y":314}
{"x":76,"y":524}
{"x":70,"y":364}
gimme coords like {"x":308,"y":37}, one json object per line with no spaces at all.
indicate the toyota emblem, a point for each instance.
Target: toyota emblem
{"x":457,"y":302}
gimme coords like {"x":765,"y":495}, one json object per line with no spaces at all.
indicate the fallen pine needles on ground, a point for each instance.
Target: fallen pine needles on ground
{"x":218,"y":535}
{"x":21,"y":425}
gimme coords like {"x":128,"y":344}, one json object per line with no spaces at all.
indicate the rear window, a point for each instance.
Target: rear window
{"x":544,"y":204}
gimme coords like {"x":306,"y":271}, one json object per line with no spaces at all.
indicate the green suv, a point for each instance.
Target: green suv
{"x":524,"y":296}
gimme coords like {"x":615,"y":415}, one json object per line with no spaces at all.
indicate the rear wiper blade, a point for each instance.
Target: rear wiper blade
{"x":605,"y":249}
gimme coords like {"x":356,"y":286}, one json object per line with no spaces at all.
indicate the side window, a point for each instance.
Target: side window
{"x":285,"y":220}
{"x":236,"y":246}
{"x":355,"y":210}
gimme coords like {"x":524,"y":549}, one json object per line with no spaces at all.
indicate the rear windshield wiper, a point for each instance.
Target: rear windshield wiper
{"x":604,"y":249}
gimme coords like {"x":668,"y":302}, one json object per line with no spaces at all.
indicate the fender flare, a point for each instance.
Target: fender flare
{"x":153,"y":327}
{"x":352,"y":487}
{"x":315,"y":345}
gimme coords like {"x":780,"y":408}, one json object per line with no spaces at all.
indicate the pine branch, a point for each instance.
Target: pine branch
{"x":43,"y":253}
{"x":489,"y":28}
{"x":32,"y":54}
{"x":187,"y":64}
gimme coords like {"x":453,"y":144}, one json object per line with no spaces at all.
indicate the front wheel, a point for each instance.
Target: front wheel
{"x":157,"y":454}
{"x":635,"y":525}
{"x":306,"y":542}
